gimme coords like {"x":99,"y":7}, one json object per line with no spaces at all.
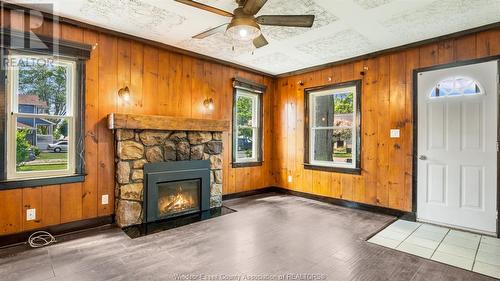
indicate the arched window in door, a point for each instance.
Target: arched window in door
{"x":456,"y":86}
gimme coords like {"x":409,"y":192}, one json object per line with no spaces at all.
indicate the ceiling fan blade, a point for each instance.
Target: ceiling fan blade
{"x":287,"y":20}
{"x":252,"y":7}
{"x":260,"y":41}
{"x":211,"y":31}
{"x":205,"y":7}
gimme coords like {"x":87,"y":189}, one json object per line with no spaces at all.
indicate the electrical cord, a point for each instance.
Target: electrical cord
{"x":41,"y":239}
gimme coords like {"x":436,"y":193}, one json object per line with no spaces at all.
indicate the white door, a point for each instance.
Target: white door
{"x":457,"y":147}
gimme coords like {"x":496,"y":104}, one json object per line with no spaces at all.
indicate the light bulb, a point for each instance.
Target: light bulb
{"x":243,"y":32}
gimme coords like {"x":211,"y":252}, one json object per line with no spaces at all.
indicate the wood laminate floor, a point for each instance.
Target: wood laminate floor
{"x":270,"y":235}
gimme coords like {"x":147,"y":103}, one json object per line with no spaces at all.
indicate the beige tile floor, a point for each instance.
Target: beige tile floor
{"x":475,"y":252}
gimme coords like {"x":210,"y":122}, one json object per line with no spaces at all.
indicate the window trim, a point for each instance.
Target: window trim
{"x":251,"y":89}
{"x":79,"y":126}
{"x":316,"y":165}
{"x":13,"y":113}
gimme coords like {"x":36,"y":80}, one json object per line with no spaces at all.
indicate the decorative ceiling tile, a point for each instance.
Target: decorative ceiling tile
{"x":370,"y":4}
{"x":341,"y":45}
{"x":342,"y":29}
{"x":278,"y":62}
{"x":294,"y":7}
{"x":442,"y":17}
{"x":217,"y":44}
{"x":137,"y":13}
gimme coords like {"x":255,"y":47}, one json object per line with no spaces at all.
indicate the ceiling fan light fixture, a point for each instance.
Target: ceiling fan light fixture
{"x":243,"y":29}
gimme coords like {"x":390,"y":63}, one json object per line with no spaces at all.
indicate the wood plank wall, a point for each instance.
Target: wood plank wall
{"x":161,"y":82}
{"x":386,"y":103}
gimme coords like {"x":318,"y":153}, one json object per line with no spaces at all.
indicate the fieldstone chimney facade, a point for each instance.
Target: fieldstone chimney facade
{"x":134,"y":148}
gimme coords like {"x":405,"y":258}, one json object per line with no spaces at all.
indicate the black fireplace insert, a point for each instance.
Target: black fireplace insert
{"x":177,"y":188}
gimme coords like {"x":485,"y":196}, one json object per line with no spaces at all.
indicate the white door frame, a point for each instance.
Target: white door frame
{"x":415,"y":128}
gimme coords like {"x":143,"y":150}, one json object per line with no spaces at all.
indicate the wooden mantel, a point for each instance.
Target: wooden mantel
{"x":157,"y":122}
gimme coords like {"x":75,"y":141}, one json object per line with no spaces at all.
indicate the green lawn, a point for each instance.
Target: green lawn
{"x":342,"y":155}
{"x":52,"y":155}
{"x":43,"y":167}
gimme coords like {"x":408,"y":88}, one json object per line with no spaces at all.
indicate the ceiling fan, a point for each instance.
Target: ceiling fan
{"x":244,"y":26}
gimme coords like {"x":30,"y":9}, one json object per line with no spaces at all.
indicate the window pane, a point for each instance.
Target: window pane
{"x":43,"y":88}
{"x":245,"y":143}
{"x":334,"y":110}
{"x":41,"y":144}
{"x":344,"y":109}
{"x":323,"y":145}
{"x":244,"y":111}
{"x":457,"y":86}
{"x":333,"y":145}
{"x":342,"y":146}
{"x":324,"y":110}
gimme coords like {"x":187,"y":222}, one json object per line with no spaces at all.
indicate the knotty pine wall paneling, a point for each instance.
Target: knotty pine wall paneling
{"x":160,"y":82}
{"x":387,"y":103}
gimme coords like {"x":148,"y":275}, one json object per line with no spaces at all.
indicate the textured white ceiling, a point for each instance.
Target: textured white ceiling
{"x":343,"y":28}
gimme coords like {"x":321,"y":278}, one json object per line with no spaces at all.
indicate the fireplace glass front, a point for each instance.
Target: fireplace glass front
{"x":178,"y":197}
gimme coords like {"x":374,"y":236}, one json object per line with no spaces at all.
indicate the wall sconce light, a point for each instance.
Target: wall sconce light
{"x":124,"y":93}
{"x":209,"y":104}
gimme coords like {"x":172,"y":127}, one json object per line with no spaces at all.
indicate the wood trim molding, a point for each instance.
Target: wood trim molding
{"x":410,"y":216}
{"x":59,"y":230}
{"x":157,"y":122}
{"x":24,"y":42}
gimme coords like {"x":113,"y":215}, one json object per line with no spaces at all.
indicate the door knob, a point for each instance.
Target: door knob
{"x":422,"y":157}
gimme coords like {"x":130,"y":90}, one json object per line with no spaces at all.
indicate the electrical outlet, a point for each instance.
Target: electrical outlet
{"x":290,"y":178}
{"x":105,"y":199}
{"x":31,"y":214}
{"x":394,"y":133}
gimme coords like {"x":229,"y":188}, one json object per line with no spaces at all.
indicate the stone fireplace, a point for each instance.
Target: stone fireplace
{"x":148,"y":146}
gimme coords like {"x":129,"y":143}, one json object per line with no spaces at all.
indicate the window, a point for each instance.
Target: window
{"x":41,"y":127}
{"x":333,"y":127}
{"x":247,"y":123}
{"x":455,"y":87}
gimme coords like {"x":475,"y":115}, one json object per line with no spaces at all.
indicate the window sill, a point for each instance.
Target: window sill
{"x":246,"y":164}
{"x":20,"y":183}
{"x":353,"y":171}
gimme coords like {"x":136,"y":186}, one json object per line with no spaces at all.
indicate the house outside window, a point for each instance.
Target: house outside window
{"x":247,"y":123}
{"x":41,"y":126}
{"x":333,"y":138}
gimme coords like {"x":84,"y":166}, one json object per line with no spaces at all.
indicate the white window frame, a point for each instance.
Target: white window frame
{"x":255,"y":97}
{"x":313,"y":128}
{"x":13,"y":108}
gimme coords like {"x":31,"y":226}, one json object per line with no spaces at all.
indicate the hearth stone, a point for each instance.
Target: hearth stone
{"x":154,"y":154}
{"x":128,"y":213}
{"x":199,"y":137}
{"x":130,"y":150}
{"x":137,"y":175}
{"x":135,"y":148}
{"x":133,"y":191}
{"x":123,"y":172}
{"x":183,"y":151}
{"x":213,"y":147}
{"x":150,"y":138}
{"x":170,"y":151}
{"x":125,"y":135}
{"x":197,"y":152}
